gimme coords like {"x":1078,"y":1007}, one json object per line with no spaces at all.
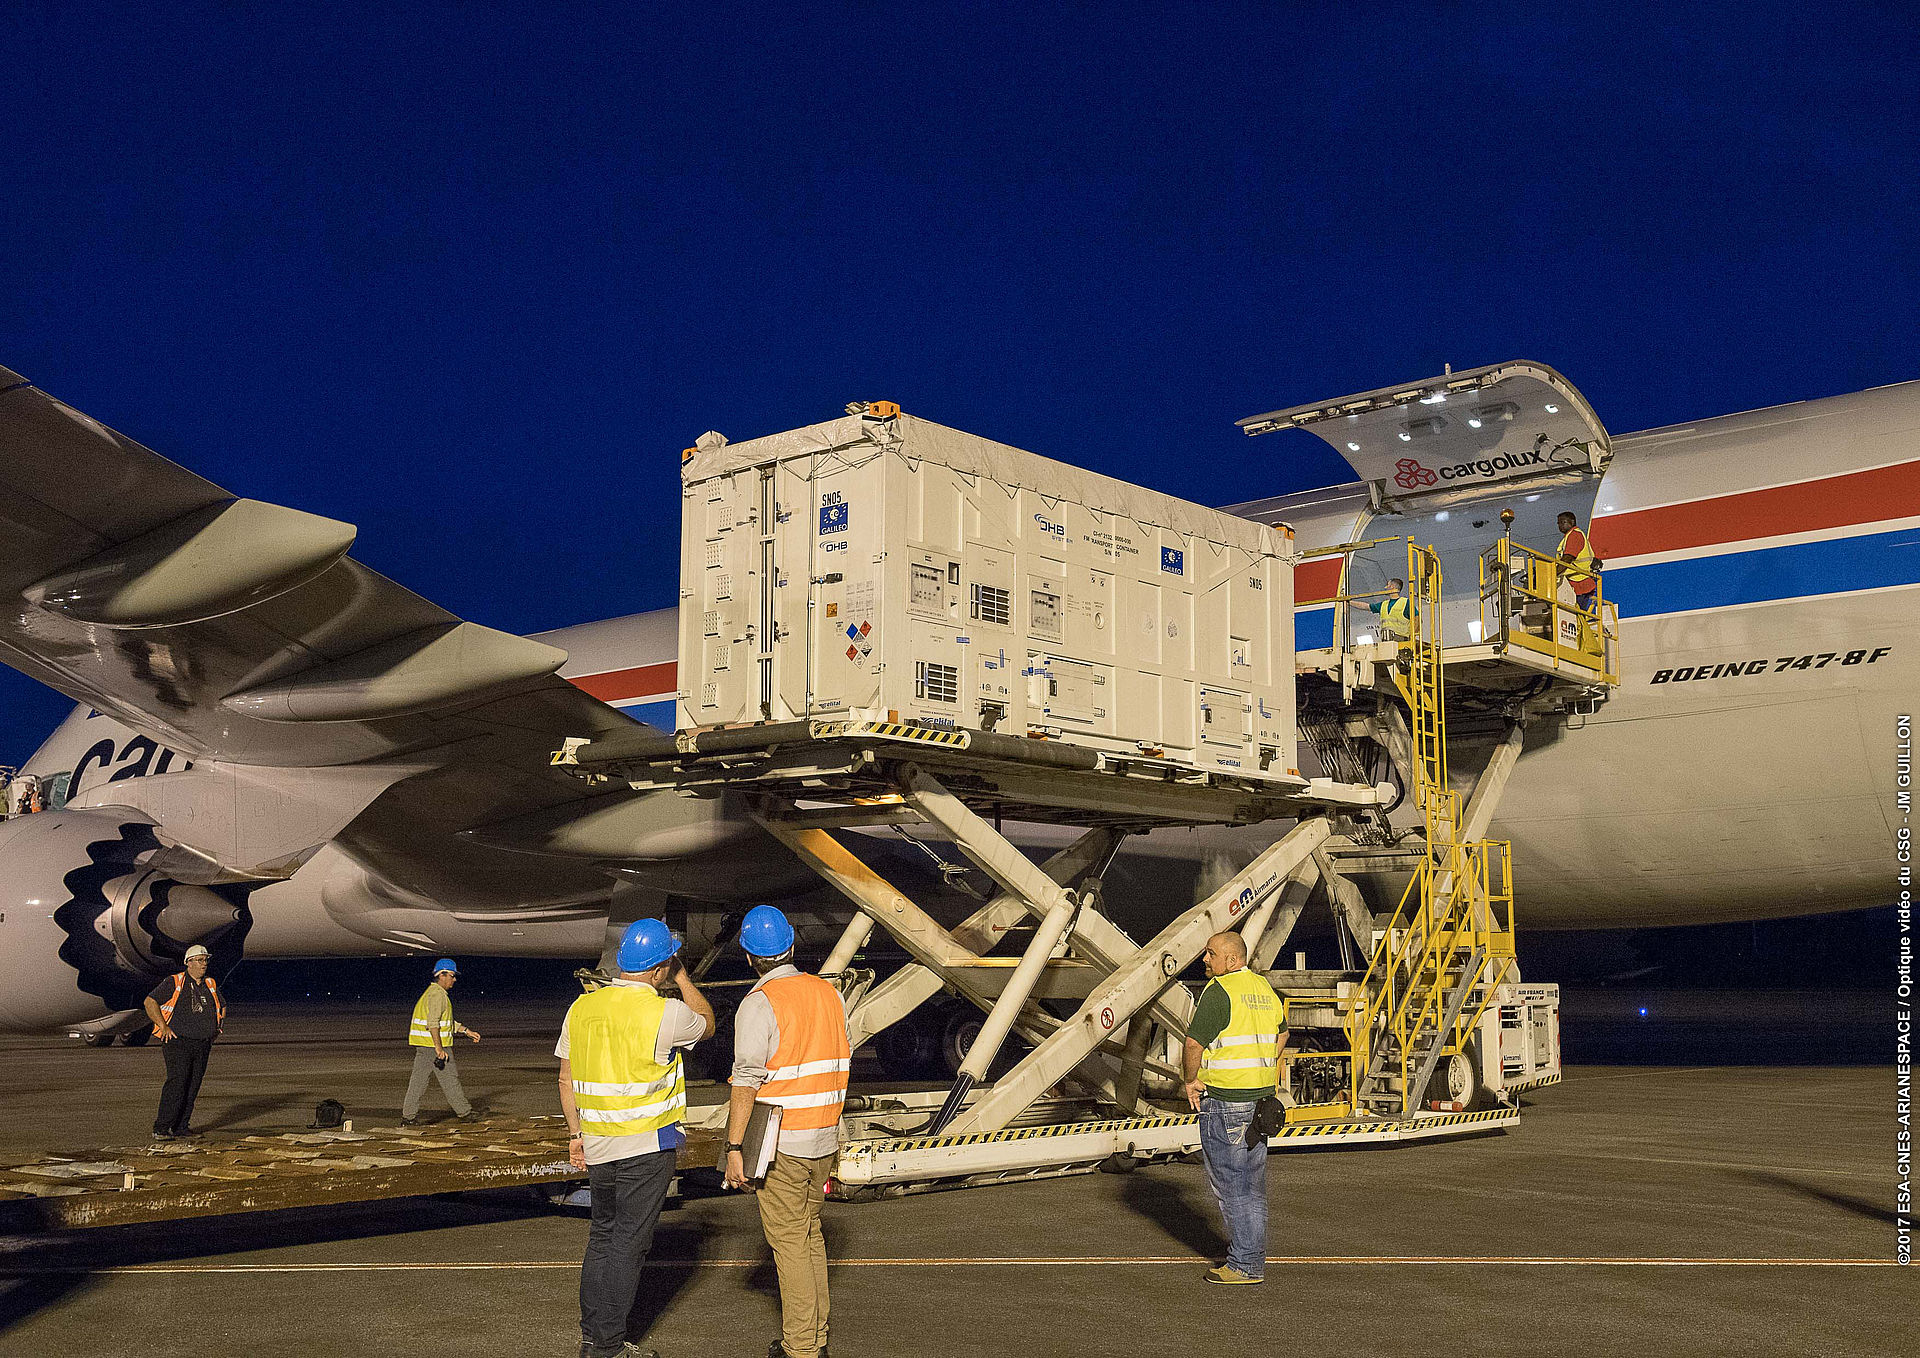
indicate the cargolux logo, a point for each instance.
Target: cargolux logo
{"x":1409,"y":475}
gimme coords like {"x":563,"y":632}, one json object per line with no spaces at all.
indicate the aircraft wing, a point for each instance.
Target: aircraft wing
{"x":234,"y":630}
{"x":242,"y":634}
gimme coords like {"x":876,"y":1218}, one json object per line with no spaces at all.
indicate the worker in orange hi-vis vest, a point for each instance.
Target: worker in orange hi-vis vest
{"x":187,"y":1010}
{"x":790,"y":1048}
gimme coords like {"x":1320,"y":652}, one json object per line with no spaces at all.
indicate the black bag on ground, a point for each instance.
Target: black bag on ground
{"x":328,"y":1113}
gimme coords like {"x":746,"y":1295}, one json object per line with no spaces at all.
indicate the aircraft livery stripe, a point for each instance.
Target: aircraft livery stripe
{"x":1313,"y":629}
{"x":642,"y":681}
{"x":1864,"y":497}
{"x":1723,"y":580}
{"x":1316,"y":580}
{"x":1831,"y":566}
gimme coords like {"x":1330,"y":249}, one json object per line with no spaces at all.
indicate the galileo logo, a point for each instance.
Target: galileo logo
{"x":1058,"y":530}
{"x":1173,"y":561}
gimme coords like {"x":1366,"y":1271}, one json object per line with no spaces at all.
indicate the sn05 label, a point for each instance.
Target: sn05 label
{"x":1778,"y":665}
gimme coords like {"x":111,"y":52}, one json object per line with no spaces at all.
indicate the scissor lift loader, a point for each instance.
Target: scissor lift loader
{"x":778,"y":716}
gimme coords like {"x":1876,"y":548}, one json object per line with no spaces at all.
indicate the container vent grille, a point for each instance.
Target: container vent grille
{"x":993,"y":604}
{"x":937,"y":683}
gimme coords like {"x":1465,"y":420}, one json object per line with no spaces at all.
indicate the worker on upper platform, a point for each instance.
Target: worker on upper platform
{"x":188,"y":1012}
{"x":1576,"y":564}
{"x":1231,"y":1062}
{"x":790,"y":1048}
{"x":625,"y":1097}
{"x":431,"y":1035}
{"x":1396,"y":611}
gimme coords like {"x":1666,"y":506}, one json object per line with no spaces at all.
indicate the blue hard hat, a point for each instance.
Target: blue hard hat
{"x":645,"y":945}
{"x":765,"y":932}
{"x":445,"y":964}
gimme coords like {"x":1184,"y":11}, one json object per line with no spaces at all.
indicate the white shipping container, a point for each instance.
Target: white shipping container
{"x":894,"y":569}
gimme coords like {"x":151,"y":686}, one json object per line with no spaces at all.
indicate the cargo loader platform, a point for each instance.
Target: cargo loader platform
{"x":872,"y":1167}
{"x":1097,"y":1090}
{"x":857,"y":763}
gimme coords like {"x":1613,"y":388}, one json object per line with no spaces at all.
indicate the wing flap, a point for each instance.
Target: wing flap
{"x":110,"y":531}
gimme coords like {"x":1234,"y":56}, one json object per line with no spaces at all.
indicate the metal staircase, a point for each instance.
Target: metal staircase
{"x":1437,"y":958}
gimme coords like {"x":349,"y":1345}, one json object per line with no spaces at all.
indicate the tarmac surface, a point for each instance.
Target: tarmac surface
{"x":1659,"y":1209}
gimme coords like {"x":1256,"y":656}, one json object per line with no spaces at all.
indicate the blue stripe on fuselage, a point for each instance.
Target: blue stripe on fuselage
{"x":1764,"y":575}
{"x":1313,"y":628}
{"x":655,"y":714}
{"x":1836,"y":566}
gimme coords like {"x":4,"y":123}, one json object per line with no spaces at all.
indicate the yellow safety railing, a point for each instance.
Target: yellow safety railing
{"x":1520,"y":607}
{"x":1422,"y":681}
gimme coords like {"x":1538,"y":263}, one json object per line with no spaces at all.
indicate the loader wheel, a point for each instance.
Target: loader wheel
{"x":1456,"y":1079}
{"x":909,"y":1049}
{"x":957,"y":1039}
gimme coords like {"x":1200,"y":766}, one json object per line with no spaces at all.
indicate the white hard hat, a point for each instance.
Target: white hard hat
{"x":197,"y":950}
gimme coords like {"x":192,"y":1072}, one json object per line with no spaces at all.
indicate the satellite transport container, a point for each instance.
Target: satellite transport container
{"x":882,"y":567}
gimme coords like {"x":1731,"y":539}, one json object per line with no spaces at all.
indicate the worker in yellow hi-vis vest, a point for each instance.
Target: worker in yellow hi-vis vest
{"x":1396,"y":612}
{"x":1232,"y":1061}
{"x":430,"y":1032}
{"x":625,"y":1098}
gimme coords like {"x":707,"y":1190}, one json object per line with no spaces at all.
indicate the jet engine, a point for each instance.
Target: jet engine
{"x":86,"y":929}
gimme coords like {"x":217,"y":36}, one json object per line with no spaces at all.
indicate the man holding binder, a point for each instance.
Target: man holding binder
{"x":790,"y":1051}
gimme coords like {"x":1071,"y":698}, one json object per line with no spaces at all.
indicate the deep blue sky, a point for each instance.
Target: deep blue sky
{"x":470,"y":276}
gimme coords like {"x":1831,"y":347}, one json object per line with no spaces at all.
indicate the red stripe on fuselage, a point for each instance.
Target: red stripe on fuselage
{"x":643,"y":681}
{"x":1317,"y":580}
{"x":1831,"y":502}
{"x":1864,"y":497}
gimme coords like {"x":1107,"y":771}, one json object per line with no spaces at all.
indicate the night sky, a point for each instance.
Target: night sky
{"x":469,"y":276}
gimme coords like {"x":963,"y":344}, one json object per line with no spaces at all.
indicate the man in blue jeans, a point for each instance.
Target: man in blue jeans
{"x":1232,"y":1061}
{"x":625,"y":1100}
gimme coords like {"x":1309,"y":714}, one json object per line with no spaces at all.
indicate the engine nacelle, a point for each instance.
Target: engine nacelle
{"x":85,"y":929}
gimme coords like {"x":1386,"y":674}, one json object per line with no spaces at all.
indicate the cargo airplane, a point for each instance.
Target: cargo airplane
{"x":281,"y":753}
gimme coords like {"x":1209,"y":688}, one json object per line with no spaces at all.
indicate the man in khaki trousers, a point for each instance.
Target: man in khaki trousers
{"x":790,"y":1048}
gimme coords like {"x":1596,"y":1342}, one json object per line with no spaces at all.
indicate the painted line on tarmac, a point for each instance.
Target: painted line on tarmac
{"x":1577,"y":1081}
{"x":1029,"y":1261}
{"x":1721,"y":1164}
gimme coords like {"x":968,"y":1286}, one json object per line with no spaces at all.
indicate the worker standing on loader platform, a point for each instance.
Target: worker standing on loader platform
{"x":187,"y":1012}
{"x":1395,"y":611}
{"x":431,"y":1036}
{"x":1576,"y":564}
{"x":1232,"y":1061}
{"x":790,"y":1048}
{"x":625,"y":1097}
